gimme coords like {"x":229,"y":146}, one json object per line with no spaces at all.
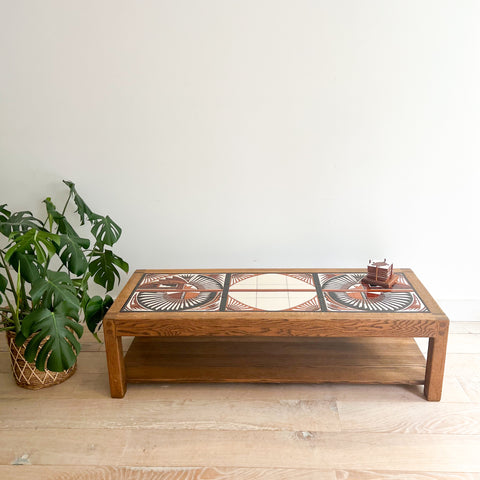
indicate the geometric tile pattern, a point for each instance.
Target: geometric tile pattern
{"x":267,"y":292}
{"x":345,"y":293}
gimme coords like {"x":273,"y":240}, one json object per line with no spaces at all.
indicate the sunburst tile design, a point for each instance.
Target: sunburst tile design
{"x":269,"y":292}
{"x":345,"y":293}
{"x":272,"y":292}
{"x":176,"y":292}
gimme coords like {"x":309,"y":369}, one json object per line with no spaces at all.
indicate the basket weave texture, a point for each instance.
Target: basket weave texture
{"x":27,"y":375}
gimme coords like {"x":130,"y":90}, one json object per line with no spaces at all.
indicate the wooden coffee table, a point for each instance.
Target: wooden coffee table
{"x":274,"y":326}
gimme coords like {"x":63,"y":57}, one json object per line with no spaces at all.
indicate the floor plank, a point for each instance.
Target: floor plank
{"x":152,"y":473}
{"x":179,"y":414}
{"x":245,"y":431}
{"x":463,"y":343}
{"x":471,"y":386}
{"x":427,"y":417}
{"x":403,"y":475}
{"x":266,"y":449}
{"x":95,"y":386}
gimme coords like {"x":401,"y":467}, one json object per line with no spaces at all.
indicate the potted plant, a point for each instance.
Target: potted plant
{"x":46,"y":272}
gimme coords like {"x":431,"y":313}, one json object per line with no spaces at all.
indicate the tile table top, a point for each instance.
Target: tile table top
{"x":270,"y":292}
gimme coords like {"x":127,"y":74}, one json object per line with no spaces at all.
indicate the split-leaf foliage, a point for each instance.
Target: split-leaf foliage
{"x":46,"y":272}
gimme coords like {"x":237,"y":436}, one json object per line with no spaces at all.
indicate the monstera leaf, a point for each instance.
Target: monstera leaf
{"x":95,"y":310}
{"x":104,"y":268}
{"x":27,"y":265}
{"x":61,"y":348}
{"x":57,"y":288}
{"x":4,"y":213}
{"x":82,"y":208}
{"x":43,"y":243}
{"x":64,"y":226}
{"x":71,"y":245}
{"x":3,"y":285}
{"x":17,"y":222}
{"x":105,"y":230}
{"x":72,"y":256}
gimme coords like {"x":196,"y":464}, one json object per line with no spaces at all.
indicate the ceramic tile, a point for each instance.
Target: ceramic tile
{"x":155,"y":281}
{"x":341,"y":292}
{"x":177,"y":292}
{"x":243,"y":282}
{"x":345,"y":292}
{"x":240,"y":304}
{"x":171,"y":301}
{"x":272,"y":281}
{"x":357,"y":300}
{"x":248,"y":298}
{"x":273,"y":304}
{"x":273,"y":295}
{"x":300,"y":281}
{"x":300,"y":297}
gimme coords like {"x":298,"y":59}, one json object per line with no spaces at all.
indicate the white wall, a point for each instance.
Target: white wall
{"x":269,"y":133}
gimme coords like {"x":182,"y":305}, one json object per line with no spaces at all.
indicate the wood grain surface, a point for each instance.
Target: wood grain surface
{"x":159,"y":473}
{"x":243,"y":448}
{"x":276,"y":360}
{"x":142,"y":363}
{"x":242,"y":431}
{"x":180,"y":414}
{"x":438,"y":418}
{"x":405,"y":475}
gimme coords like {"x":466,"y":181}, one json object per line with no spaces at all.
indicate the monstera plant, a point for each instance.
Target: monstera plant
{"x":47,"y":270}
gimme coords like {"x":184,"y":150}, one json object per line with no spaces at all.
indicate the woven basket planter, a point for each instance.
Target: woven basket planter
{"x":27,"y":375}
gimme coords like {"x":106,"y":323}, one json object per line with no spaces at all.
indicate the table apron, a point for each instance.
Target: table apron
{"x":281,"y":328}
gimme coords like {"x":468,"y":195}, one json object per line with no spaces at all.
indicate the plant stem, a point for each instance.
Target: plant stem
{"x":66,"y":203}
{"x":9,"y":275}
{"x":13,"y":313}
{"x":86,"y":277}
{"x":4,"y":329}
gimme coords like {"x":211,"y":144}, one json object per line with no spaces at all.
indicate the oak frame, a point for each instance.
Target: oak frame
{"x":433,"y":325}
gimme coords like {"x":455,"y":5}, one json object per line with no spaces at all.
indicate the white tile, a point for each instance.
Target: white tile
{"x":273,"y":295}
{"x":247,"y":298}
{"x":247,"y":284}
{"x":297,"y":298}
{"x":295,"y":283}
{"x":274,"y":304}
{"x":271,"y":280}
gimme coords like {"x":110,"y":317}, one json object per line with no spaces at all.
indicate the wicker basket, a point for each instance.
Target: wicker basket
{"x":27,"y":375}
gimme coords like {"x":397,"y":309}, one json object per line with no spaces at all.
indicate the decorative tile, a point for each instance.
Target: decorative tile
{"x":173,"y":301}
{"x":274,"y":304}
{"x":299,"y":298}
{"x":243,"y":281}
{"x":272,"y":280}
{"x":159,"y":281}
{"x":245,"y":298}
{"x":300,"y":280}
{"x":311,"y":305}
{"x":176,"y":292}
{"x":233,"y":292}
{"x":345,"y":293}
{"x":235,"y":305}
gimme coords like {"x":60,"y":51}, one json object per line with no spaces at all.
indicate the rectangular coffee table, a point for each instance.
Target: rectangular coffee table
{"x":274,"y":326}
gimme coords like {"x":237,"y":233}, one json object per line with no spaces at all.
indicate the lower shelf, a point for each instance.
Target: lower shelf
{"x":275,"y":360}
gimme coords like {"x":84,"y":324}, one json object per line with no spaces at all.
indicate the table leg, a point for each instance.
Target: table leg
{"x":115,"y":361}
{"x":437,"y":349}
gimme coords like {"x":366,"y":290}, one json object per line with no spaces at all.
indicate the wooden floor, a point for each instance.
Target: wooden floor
{"x":243,"y":431}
